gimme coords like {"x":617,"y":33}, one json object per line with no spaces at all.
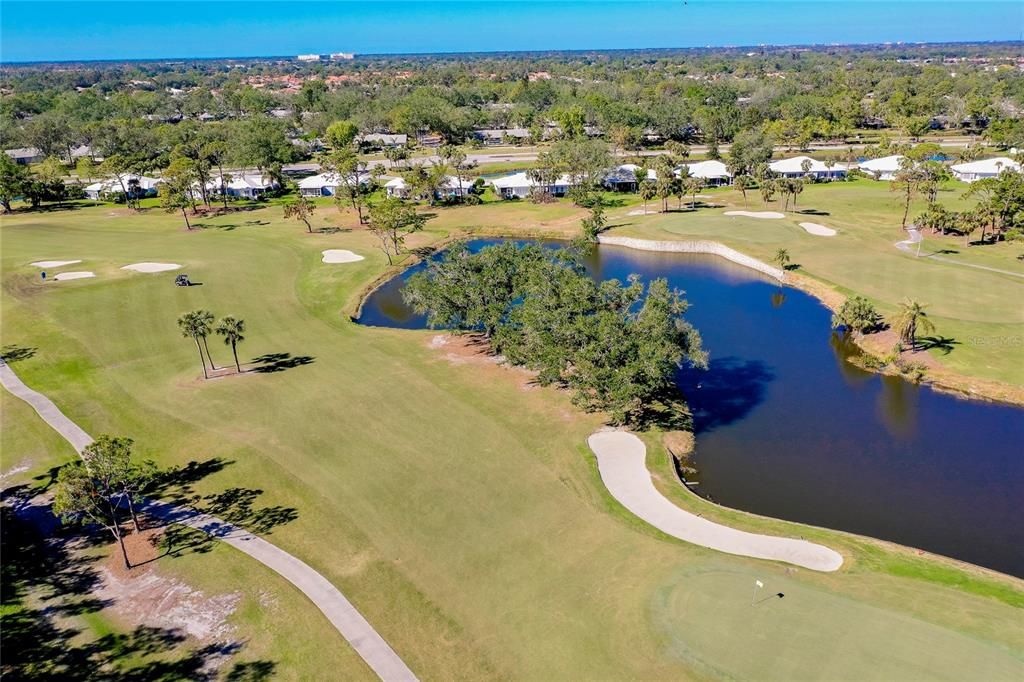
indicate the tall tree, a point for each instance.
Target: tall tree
{"x":911,"y":319}
{"x":233,"y":331}
{"x":906,"y":181}
{"x":191,"y":327}
{"x":391,"y":221}
{"x":177,"y":189}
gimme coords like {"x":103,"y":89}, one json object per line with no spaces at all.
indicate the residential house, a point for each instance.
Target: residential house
{"x":883,"y":168}
{"x":23,"y":156}
{"x":623,"y":178}
{"x":137,"y":185}
{"x":324,"y":184}
{"x":245,"y":185}
{"x":712,"y":172}
{"x":794,"y":168}
{"x":496,"y":136}
{"x":519,"y":185}
{"x":985,"y":168}
{"x":451,"y":188}
{"x":381,"y":140}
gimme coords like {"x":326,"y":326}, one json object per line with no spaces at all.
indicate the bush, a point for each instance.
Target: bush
{"x":857,"y":314}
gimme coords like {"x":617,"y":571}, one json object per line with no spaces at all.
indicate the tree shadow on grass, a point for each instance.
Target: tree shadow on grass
{"x":14,"y":353}
{"x":942,"y":343}
{"x":279,"y":362}
{"x":812,"y":211}
{"x":47,"y":579}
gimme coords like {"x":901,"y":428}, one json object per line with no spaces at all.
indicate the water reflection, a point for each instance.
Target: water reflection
{"x":897,"y":406}
{"x":725,"y":393}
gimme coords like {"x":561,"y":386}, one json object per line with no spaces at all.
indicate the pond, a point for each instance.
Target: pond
{"x":787,"y":428}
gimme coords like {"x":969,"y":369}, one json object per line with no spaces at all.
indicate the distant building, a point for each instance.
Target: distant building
{"x":884,"y":168}
{"x":712,"y":172}
{"x":324,"y":184}
{"x":308,"y":57}
{"x":137,"y":185}
{"x":623,"y":178}
{"x":519,"y":186}
{"x":23,"y":156}
{"x":496,"y":136}
{"x":381,"y":140}
{"x":343,"y":55}
{"x":451,"y":187}
{"x":985,"y":168}
{"x":794,"y":168}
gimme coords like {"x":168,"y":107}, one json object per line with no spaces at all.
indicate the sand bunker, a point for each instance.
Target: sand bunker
{"x":54,"y":263}
{"x":765,"y":215}
{"x":341,"y":256}
{"x":73,"y":275}
{"x":818,"y":230}
{"x":151,"y":267}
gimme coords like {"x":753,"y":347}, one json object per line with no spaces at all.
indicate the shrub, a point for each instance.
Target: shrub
{"x":857,"y":314}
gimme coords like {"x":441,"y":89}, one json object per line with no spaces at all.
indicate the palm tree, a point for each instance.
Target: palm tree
{"x":205,"y":321}
{"x":910,"y":320}
{"x":782,"y":258}
{"x":190,"y":327}
{"x":233,"y":331}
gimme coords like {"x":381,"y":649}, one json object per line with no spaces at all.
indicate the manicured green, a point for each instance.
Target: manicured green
{"x":458,"y":507}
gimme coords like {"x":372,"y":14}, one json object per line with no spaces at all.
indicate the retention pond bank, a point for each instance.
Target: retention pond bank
{"x":786,"y":427}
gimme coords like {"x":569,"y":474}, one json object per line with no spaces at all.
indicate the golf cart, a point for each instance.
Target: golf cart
{"x":182,"y":281}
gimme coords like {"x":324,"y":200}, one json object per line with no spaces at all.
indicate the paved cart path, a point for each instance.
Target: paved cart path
{"x":339,"y":610}
{"x":621,"y":459}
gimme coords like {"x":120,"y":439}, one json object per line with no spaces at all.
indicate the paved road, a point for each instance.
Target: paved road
{"x":339,"y":610}
{"x":621,"y":459}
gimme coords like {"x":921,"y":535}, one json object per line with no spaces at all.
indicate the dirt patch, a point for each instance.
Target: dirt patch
{"x":144,"y":596}
{"x":679,"y":443}
{"x":473,"y":349}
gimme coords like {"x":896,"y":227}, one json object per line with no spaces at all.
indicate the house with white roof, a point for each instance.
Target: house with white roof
{"x":496,"y":136}
{"x":519,"y":185}
{"x":884,"y":168}
{"x":246,"y":185}
{"x":712,"y":172}
{"x":794,"y":168}
{"x":985,"y":168}
{"x":325,"y":184}
{"x":136,"y":185}
{"x":451,"y":187}
{"x":623,"y":178}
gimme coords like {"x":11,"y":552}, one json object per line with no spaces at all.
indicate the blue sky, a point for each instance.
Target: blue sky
{"x":139,"y":29}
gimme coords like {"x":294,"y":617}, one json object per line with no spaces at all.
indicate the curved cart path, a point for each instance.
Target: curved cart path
{"x":915,"y":238}
{"x":621,"y":459}
{"x":339,"y":610}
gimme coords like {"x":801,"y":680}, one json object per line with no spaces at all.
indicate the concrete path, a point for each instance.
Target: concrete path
{"x":912,"y":245}
{"x":621,"y":459}
{"x":339,"y":610}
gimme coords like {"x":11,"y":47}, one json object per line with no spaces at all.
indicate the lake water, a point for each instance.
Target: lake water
{"x":787,"y":428}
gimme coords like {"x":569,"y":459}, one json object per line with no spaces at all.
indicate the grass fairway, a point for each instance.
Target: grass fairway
{"x":461,"y":512}
{"x":979,"y":310}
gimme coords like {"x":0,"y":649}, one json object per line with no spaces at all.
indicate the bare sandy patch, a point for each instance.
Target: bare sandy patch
{"x":641,"y":211}
{"x":151,"y":267}
{"x":19,"y":468}
{"x":341,"y":256}
{"x":473,"y":349}
{"x":818,"y":230}
{"x":763,"y":215}
{"x":54,"y":263}
{"x":143,"y":596}
{"x":64,"y":276}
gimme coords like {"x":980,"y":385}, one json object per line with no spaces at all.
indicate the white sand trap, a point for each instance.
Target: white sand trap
{"x":54,"y":263}
{"x":341,"y":256}
{"x":74,"y":275}
{"x":818,"y":230}
{"x":151,"y":267}
{"x":764,"y":215}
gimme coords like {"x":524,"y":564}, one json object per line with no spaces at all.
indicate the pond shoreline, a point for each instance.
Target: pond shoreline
{"x":939,"y":378}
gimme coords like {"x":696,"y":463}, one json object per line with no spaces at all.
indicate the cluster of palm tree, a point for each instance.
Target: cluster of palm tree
{"x":199,"y":324}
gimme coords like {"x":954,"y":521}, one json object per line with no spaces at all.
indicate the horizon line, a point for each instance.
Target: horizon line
{"x":358,"y":55}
